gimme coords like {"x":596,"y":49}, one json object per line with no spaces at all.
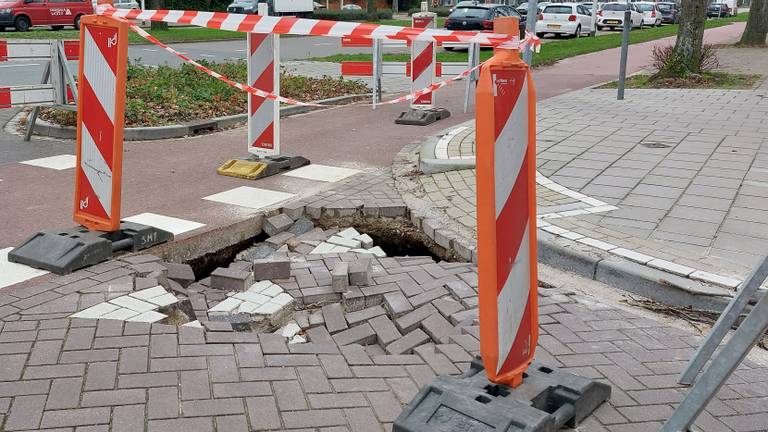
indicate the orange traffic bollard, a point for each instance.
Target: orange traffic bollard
{"x":506,"y":212}
{"x":100,"y":121}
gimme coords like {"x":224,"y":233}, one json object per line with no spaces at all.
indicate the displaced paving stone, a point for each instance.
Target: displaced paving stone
{"x":301,"y":226}
{"x":354,"y":299}
{"x":407,"y":343}
{"x":360,"y":272}
{"x":278,"y":240}
{"x":364,"y":315}
{"x":385,"y":329}
{"x":334,"y":318}
{"x":397,"y":304}
{"x":271,"y":268}
{"x":181,"y":273}
{"x":365,"y":241}
{"x":362,"y":334}
{"x":231,"y":280}
{"x":340,"y":277}
{"x":410,"y":321}
{"x":277,"y":224}
{"x":438,"y":328}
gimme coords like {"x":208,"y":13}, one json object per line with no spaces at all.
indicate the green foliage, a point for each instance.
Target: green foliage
{"x":199,"y":5}
{"x":351,"y":15}
{"x":441,"y":11}
{"x":708,"y":80}
{"x":166,"y":95}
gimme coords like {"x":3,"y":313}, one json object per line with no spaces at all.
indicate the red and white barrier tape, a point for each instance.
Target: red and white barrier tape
{"x":530,"y":41}
{"x":237,"y":85}
{"x":311,"y":27}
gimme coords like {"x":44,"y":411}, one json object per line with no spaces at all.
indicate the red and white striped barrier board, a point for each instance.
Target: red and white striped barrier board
{"x":307,"y":27}
{"x":29,"y":95}
{"x":423,"y":60}
{"x":263,"y":113}
{"x":506,"y":216}
{"x":365,"y":68}
{"x":32,"y":49}
{"x":102,"y":82}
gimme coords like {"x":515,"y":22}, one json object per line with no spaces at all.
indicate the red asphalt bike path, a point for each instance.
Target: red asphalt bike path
{"x":170,"y":177}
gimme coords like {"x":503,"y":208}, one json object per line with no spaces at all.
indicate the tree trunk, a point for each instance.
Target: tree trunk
{"x":690,"y":35}
{"x":372,"y":10}
{"x":154,"y":25}
{"x":757,"y":24}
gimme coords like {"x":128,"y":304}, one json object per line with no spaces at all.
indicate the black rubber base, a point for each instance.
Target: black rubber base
{"x":65,"y":251}
{"x":546,"y":400}
{"x":422,"y":117}
{"x":279,"y":164}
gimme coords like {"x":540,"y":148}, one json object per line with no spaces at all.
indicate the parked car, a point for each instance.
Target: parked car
{"x":651,"y":14}
{"x":523,"y":8}
{"x":276,"y":7}
{"x":570,"y":19}
{"x":351,"y":6}
{"x":126,"y":4}
{"x":478,"y":17}
{"x":23,"y":14}
{"x":669,"y":12}
{"x":612,"y":16}
{"x":718,"y":10}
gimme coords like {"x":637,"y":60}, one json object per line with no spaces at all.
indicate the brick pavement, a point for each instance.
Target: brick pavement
{"x":416,"y":319}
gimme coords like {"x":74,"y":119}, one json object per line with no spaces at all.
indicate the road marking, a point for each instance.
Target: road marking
{"x":149,"y":49}
{"x":171,"y":224}
{"x":59,"y":163}
{"x":322,"y":173}
{"x":207,"y":55}
{"x":239,"y":50}
{"x":246,"y":196}
{"x":12,"y":273}
{"x":20,"y":65}
{"x":324,"y":43}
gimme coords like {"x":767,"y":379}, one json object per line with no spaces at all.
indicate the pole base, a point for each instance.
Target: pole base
{"x":64,"y":251}
{"x":422,"y":117}
{"x":546,"y":400}
{"x":256,"y":168}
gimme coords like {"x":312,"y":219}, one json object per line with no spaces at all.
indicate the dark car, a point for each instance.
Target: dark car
{"x":480,"y":17}
{"x":669,"y":12}
{"x":718,"y":10}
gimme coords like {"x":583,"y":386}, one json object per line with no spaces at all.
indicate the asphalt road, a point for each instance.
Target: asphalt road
{"x":15,"y":73}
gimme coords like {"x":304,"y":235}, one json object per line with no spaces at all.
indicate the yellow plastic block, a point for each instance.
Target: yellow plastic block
{"x":245,"y":169}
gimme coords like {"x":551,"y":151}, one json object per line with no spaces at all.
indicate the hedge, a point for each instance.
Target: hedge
{"x":351,"y":15}
{"x":441,"y":11}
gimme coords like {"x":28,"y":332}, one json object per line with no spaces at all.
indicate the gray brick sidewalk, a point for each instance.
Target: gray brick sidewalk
{"x":67,"y":374}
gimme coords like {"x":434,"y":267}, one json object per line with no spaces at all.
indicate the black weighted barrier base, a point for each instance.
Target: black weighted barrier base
{"x":546,"y":400}
{"x":64,"y":251}
{"x":422,"y":117}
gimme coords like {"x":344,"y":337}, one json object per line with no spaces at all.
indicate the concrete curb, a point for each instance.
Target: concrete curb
{"x":430,"y":164}
{"x":193,"y":128}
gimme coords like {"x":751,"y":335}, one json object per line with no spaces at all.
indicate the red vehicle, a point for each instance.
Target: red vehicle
{"x":23,"y":14}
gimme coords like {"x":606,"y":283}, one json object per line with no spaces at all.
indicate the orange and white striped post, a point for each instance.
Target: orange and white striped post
{"x":506,"y":212}
{"x":264,"y":74}
{"x":100,"y":121}
{"x":423,"y":60}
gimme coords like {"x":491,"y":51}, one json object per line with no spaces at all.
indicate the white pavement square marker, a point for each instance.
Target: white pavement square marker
{"x":58,"y":163}
{"x":171,"y":224}
{"x":246,"y":196}
{"x":322,"y":173}
{"x":12,"y":273}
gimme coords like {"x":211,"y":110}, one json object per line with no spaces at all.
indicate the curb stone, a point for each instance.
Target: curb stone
{"x":193,"y":128}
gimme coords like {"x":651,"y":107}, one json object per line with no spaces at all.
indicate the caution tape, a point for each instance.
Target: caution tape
{"x":246,"y":88}
{"x":529,"y":42}
{"x":307,"y":27}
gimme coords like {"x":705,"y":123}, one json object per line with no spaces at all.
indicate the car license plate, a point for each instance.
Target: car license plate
{"x":553,"y":26}
{"x":611,"y":21}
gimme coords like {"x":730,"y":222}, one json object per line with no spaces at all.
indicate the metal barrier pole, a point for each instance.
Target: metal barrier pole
{"x":723,"y":365}
{"x":473,"y":60}
{"x":725,"y":322}
{"x":377,"y":71}
{"x":68,"y":75}
{"x":530,"y":25}
{"x":624,"y":52}
{"x":32,"y":119}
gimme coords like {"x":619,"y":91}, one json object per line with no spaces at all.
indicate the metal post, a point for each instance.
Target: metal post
{"x":32,"y":119}
{"x":594,"y":18}
{"x":394,"y":6}
{"x":530,"y":25}
{"x":725,"y":322}
{"x":723,"y":365}
{"x":377,"y":71}
{"x":68,"y":75}
{"x":624,"y":52}
{"x":474,"y":59}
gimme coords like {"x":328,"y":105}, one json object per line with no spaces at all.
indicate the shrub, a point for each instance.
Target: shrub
{"x":669,"y":64}
{"x":201,"y":5}
{"x":441,"y":11}
{"x":351,"y":15}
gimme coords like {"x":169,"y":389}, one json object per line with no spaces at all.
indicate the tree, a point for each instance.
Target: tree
{"x":156,"y":25}
{"x":372,"y":10}
{"x":757,"y":24}
{"x":690,"y":38}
